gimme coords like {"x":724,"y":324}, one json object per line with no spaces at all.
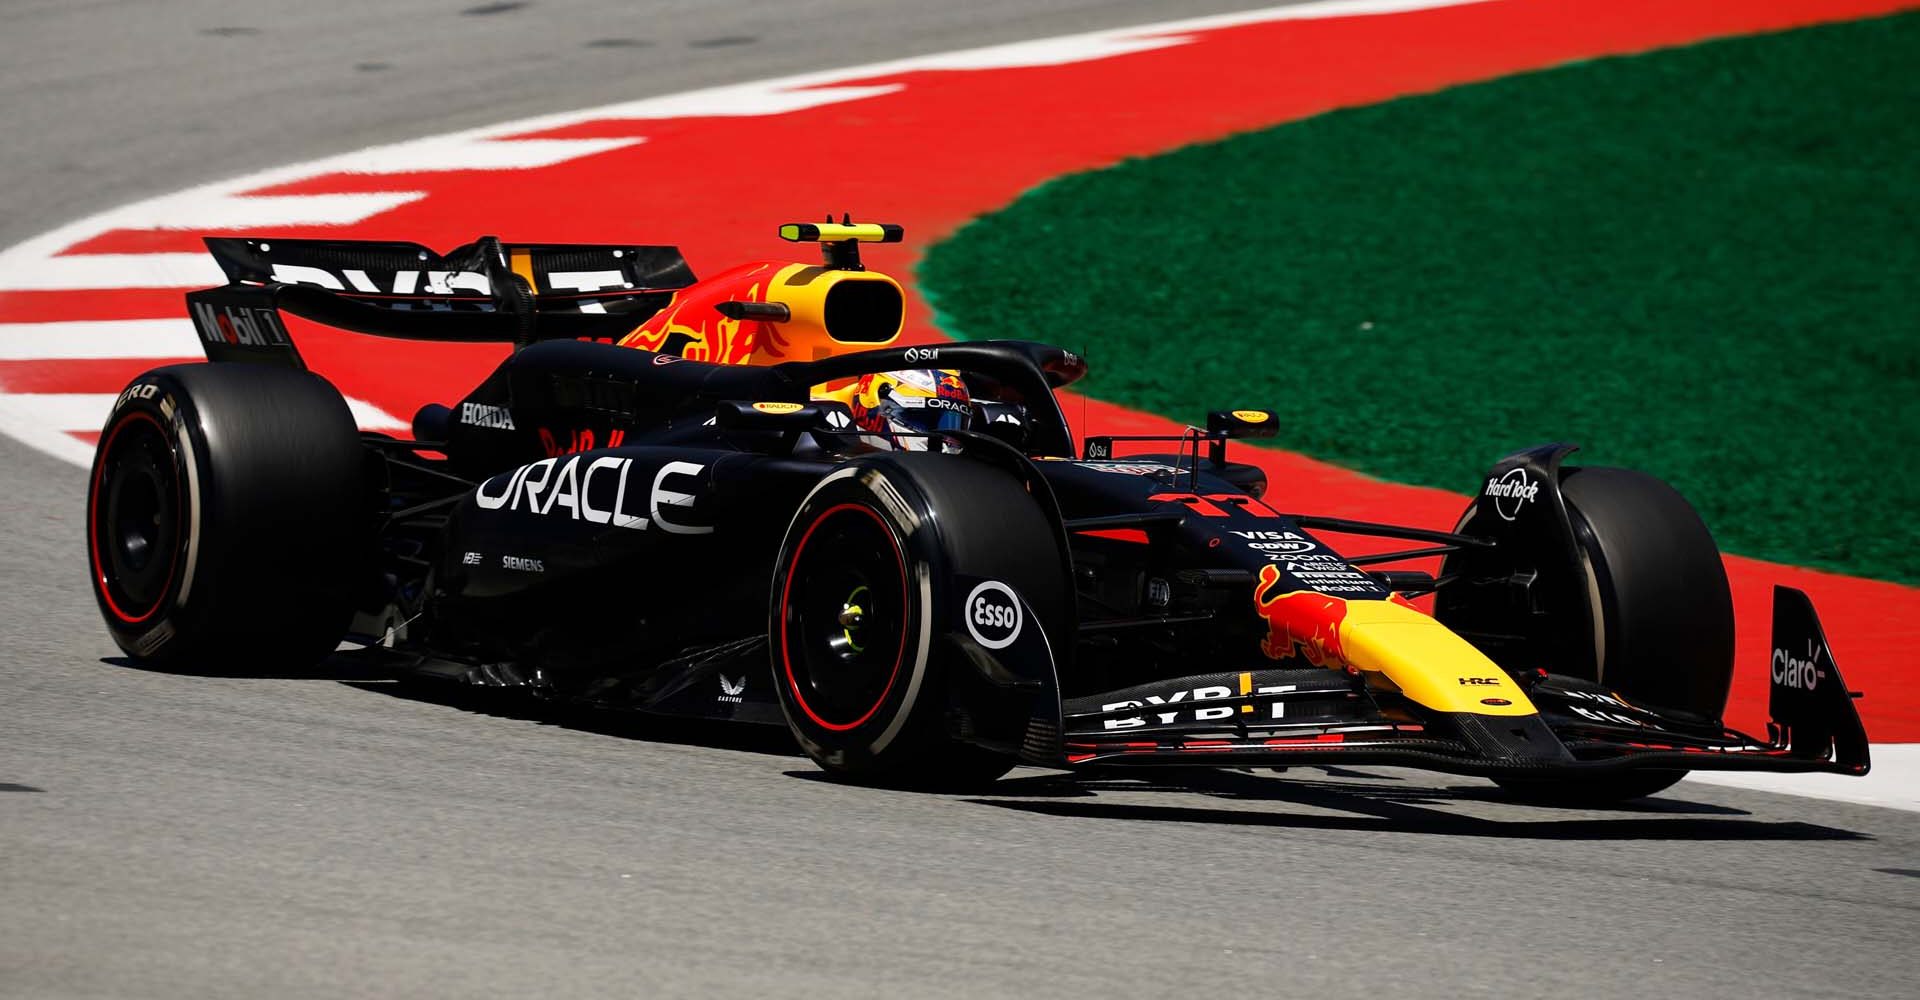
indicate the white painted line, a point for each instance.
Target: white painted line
{"x":85,"y":340}
{"x":65,"y":411}
{"x":249,"y":211}
{"x":22,"y":417}
{"x":100,"y":271}
{"x":447,"y":154}
{"x":1893,"y":783}
{"x":373,"y":418}
{"x":1047,"y":52}
{"x":87,"y":411}
{"x":738,"y":100}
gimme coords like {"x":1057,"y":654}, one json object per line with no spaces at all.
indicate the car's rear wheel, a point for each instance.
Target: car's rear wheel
{"x":865,"y":592}
{"x":1662,"y":608}
{"x":226,"y":520}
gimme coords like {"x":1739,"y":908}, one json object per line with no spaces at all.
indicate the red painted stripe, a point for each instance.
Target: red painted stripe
{"x":40,"y":376}
{"x":121,"y":303}
{"x":1134,"y":535}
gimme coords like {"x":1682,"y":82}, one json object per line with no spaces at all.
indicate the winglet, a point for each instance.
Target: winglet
{"x":1809,"y":701}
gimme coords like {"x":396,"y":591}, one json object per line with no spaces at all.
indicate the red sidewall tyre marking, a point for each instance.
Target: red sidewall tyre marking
{"x":786,"y":592}
{"x":95,"y":542}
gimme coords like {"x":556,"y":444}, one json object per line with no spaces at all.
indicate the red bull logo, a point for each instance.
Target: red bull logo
{"x":687,"y":329}
{"x":1300,"y":623}
{"x":692,"y":327}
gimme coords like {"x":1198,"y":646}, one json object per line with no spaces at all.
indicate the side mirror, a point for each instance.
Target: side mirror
{"x":1004,"y":421}
{"x":1225,"y":424}
{"x":1242,"y":424}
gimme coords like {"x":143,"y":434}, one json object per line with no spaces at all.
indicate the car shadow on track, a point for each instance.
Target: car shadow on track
{"x":1377,"y":803}
{"x":334,"y":668}
{"x":627,"y":725}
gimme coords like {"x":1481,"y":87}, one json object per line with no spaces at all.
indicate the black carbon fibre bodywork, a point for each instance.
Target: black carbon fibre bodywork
{"x":634,"y":575}
{"x":601,"y":523}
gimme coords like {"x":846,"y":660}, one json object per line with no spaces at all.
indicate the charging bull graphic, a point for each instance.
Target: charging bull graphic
{"x":1301,"y":621}
{"x":692,"y":327}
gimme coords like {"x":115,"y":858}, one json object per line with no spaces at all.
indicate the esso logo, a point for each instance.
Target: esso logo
{"x":992,"y":614}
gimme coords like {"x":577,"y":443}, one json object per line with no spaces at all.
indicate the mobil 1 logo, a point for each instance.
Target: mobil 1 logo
{"x":992,"y":614}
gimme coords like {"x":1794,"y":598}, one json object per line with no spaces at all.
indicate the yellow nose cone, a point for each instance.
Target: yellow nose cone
{"x":1426,"y":661}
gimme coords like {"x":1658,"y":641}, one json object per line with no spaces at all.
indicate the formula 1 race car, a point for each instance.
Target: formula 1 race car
{"x":668,"y":498}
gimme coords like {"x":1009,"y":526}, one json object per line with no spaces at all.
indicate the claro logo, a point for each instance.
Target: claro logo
{"x":1793,"y":672}
{"x":992,"y":614}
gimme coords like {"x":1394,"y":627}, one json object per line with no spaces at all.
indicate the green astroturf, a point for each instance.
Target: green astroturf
{"x":1701,"y":262}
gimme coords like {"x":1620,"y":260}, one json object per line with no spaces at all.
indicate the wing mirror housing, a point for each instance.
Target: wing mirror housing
{"x":1223,"y":424}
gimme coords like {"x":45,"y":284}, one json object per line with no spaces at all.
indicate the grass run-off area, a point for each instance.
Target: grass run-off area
{"x":1700,"y":262}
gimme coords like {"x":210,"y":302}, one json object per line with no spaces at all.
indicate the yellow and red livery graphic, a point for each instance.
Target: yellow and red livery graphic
{"x":813,"y":312}
{"x":1301,"y":622}
{"x":1395,"y":646}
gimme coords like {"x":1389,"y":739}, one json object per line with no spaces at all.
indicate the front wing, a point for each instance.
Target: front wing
{"x":1325,"y":719}
{"x":1279,"y":718}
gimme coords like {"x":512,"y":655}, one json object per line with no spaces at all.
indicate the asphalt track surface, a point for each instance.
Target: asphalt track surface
{"x":331,"y":834}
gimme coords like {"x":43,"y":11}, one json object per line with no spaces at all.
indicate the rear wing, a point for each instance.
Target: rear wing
{"x":486,"y":292}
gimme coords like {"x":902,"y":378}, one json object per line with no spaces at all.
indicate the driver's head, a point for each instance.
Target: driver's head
{"x":900,"y":406}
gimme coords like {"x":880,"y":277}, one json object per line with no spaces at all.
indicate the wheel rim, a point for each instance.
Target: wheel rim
{"x":843,"y":621}
{"x":134,"y":510}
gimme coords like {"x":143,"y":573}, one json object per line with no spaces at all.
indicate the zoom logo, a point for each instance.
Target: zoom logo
{"x":992,"y":614}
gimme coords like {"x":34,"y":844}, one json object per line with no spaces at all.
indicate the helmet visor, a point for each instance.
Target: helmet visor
{"x":925,"y":414}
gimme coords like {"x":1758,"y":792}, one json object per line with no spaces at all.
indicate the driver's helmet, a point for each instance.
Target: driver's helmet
{"x":899,"y":407}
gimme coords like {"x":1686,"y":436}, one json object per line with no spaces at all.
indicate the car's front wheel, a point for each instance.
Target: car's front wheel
{"x":1662,"y":608}
{"x":882,"y":559}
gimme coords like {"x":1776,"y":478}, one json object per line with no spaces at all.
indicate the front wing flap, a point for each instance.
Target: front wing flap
{"x":1314,"y":727}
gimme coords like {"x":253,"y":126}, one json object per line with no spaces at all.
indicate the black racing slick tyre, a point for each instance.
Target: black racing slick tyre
{"x":226,"y":518}
{"x":877,"y":559}
{"x":1663,"y":613}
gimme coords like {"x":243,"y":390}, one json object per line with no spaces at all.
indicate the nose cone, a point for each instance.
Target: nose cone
{"x":1395,"y":646}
